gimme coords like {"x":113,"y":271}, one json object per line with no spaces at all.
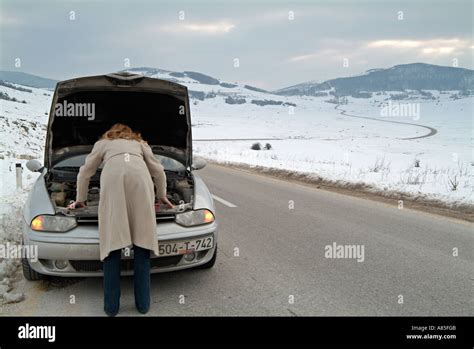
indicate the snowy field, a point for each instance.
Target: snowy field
{"x":315,"y":138}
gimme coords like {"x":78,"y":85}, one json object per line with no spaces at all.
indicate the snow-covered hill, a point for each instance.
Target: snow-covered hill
{"x":26,"y":79}
{"x":415,"y":76}
{"x":203,"y":87}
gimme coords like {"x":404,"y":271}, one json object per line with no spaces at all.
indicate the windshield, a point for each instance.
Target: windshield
{"x":76,"y":161}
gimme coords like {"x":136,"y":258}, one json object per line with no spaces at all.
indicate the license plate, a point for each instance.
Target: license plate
{"x":183,"y":247}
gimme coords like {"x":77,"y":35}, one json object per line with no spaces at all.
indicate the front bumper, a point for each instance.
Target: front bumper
{"x":80,"y":248}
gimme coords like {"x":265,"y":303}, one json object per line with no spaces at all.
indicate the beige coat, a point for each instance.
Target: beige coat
{"x":127,"y":199}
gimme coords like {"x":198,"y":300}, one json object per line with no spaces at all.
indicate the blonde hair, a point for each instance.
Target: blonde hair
{"x":122,"y":131}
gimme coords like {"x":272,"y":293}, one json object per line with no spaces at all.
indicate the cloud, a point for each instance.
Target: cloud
{"x":208,"y":28}
{"x":395,"y":43}
{"x":426,"y":47}
{"x":345,"y":51}
{"x":304,"y":57}
{"x":9,"y":20}
{"x":440,"y":50}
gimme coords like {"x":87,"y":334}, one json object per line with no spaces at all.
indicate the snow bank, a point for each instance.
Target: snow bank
{"x":22,"y":135}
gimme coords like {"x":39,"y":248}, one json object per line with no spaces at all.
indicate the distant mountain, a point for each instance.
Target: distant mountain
{"x":26,"y":79}
{"x":203,"y":87}
{"x":415,"y":76}
{"x":200,"y":86}
{"x":188,"y":77}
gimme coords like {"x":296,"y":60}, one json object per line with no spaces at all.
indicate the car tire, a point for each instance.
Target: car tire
{"x":210,"y":264}
{"x":29,"y":273}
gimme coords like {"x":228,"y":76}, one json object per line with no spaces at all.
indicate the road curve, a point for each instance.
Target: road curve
{"x":432,"y":130}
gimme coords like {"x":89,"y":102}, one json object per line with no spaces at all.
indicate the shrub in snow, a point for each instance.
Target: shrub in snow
{"x":398,"y":97}
{"x":197,"y":95}
{"x":265,"y":102}
{"x":359,"y":94}
{"x":426,"y":94}
{"x":453,"y":183}
{"x":379,"y":165}
{"x":256,"y":146}
{"x":320,"y":94}
{"x":19,"y":88}
{"x":251,"y":88}
{"x":230,"y":100}
{"x":268,"y":146}
{"x":227,"y":85}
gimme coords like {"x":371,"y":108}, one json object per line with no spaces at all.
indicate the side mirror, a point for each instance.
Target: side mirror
{"x":34,"y":165}
{"x":198,"y":163}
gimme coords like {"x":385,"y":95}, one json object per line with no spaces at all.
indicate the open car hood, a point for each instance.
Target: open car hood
{"x":85,"y":108}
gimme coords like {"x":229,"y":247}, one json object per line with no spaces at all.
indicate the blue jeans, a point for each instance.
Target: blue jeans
{"x":141,"y":280}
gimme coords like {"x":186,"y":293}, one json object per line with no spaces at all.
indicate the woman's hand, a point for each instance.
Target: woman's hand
{"x":76,"y":204}
{"x":165,"y":201}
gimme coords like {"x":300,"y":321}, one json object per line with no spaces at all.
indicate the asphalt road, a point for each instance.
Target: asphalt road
{"x":281,"y":230}
{"x":432,"y":131}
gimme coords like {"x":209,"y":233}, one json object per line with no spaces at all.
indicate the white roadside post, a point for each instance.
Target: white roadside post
{"x":19,"y":175}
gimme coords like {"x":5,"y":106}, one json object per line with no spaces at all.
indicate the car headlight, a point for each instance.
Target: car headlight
{"x":192,"y":218}
{"x":57,"y":223}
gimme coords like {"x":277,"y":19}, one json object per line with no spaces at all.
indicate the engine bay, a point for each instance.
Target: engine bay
{"x":62,"y":190}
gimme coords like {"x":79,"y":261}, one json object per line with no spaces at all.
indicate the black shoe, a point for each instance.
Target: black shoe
{"x":111,"y":314}
{"x":143,"y":311}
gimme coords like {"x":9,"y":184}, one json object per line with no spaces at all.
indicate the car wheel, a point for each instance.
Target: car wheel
{"x":211,"y":262}
{"x":29,"y":273}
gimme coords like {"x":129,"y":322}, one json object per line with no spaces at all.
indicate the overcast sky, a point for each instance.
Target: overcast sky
{"x":276,"y":43}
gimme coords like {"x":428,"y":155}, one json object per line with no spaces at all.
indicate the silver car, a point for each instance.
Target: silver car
{"x":67,"y":241}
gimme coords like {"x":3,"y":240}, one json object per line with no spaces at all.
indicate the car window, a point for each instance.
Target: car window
{"x":169,"y":164}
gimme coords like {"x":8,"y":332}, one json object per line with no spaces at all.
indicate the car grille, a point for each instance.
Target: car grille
{"x":87,"y":220}
{"x":95,"y":220}
{"x":125,"y":264}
